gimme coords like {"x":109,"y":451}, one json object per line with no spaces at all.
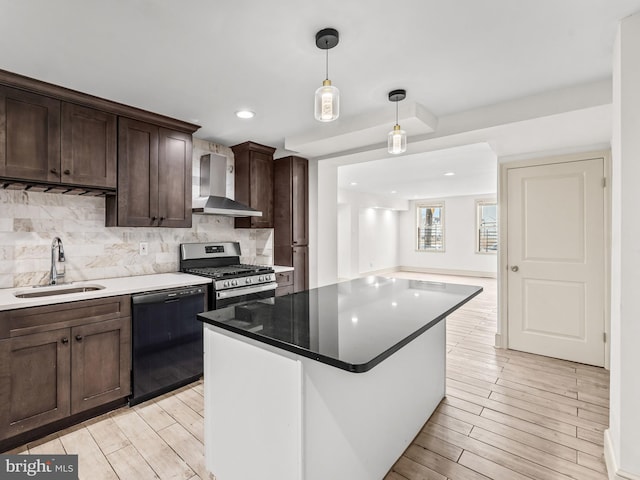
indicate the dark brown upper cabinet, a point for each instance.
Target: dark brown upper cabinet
{"x":254,"y":182}
{"x":46,"y":140}
{"x":154,"y":177}
{"x":89,"y":146}
{"x":29,"y":136}
{"x":53,"y":139}
{"x":291,"y":201}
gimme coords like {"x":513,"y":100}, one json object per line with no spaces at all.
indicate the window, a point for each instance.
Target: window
{"x":430,"y":221}
{"x":486,"y":227}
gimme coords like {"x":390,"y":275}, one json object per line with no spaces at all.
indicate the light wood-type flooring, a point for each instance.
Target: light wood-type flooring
{"x":507,"y":415}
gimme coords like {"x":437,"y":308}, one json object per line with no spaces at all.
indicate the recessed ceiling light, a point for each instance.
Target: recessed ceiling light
{"x":393,"y":191}
{"x":245,"y":114}
{"x":449,"y":174}
{"x":353,"y":184}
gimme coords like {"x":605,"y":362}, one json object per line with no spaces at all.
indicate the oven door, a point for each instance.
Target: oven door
{"x":238,"y":296}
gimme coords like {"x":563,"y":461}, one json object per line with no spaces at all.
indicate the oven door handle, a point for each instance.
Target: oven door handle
{"x":237,"y":292}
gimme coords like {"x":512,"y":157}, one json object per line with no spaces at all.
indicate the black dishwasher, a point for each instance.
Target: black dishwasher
{"x":167,"y":348}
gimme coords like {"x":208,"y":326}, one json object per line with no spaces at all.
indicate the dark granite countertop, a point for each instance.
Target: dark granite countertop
{"x":352,"y":325}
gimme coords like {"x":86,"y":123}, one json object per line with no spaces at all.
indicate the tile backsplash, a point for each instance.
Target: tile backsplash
{"x":30,"y":220}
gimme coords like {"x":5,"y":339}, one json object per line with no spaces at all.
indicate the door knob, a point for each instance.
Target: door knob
{"x":514,"y":268}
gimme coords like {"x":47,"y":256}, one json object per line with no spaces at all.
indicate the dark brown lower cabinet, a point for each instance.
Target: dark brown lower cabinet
{"x":298,"y":258}
{"x":35,"y":379}
{"x":285,"y":283}
{"x":49,"y":373}
{"x":301,"y":266}
{"x":100,"y":363}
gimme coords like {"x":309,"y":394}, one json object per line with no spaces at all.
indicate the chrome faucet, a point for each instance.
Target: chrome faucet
{"x":54,"y":275}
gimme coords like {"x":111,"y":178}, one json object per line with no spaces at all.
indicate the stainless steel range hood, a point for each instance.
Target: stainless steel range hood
{"x":213,"y":199}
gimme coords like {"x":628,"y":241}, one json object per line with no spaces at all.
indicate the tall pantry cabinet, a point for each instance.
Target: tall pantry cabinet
{"x":291,"y":222}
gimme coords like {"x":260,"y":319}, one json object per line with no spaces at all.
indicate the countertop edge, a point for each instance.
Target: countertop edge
{"x":282,"y":268}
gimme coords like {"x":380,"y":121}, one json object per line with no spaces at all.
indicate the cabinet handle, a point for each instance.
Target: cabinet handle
{"x":153,"y":219}
{"x":163,"y":218}
{"x":65,"y":340}
{"x":295,"y":243}
{"x":54,"y":171}
{"x":67,"y":172}
{"x":79,"y":338}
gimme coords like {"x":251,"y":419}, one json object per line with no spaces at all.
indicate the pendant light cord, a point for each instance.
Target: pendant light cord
{"x":327,"y":59}
{"x":396,"y":112}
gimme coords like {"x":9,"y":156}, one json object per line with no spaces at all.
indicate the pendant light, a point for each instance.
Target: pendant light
{"x":327,"y":104}
{"x":397,"y":139}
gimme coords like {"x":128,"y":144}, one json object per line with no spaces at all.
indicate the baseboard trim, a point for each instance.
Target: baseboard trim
{"x":500,"y":341}
{"x":446,"y":271}
{"x":382,"y":271}
{"x":610,"y":460}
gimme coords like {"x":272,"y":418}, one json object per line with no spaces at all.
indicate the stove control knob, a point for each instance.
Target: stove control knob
{"x":234,"y":283}
{"x":248,"y":280}
{"x":261,"y":278}
{"x":226,"y":283}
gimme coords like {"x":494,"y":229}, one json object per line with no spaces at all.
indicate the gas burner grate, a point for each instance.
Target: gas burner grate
{"x":230,"y":270}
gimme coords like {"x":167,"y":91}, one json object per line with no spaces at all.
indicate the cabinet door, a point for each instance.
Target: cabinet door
{"x":261,"y":189}
{"x":34,"y":381}
{"x":254,"y":182}
{"x":174,"y":179}
{"x":101,"y":363}
{"x":301,"y":268}
{"x":282,"y":207}
{"x":137,"y":174}
{"x":89,"y":143}
{"x":299,"y":202}
{"x":29,"y":136}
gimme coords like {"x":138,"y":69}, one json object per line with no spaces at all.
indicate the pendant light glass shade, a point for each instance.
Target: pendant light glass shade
{"x":327,"y":102}
{"x":327,"y":99}
{"x":397,"y":140}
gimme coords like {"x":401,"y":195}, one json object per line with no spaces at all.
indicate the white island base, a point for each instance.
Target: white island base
{"x":271,"y":414}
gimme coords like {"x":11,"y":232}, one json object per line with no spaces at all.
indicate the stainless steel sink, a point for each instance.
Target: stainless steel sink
{"x":57,"y":290}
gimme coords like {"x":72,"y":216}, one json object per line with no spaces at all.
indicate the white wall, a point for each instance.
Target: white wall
{"x":622,"y":440}
{"x":459,"y":230}
{"x":327,"y":234}
{"x":378,"y":240}
{"x":367,"y":234}
{"x":344,"y":240}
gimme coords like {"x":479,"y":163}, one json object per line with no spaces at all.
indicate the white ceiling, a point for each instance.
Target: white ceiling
{"x":202,"y":60}
{"x":474,"y":168}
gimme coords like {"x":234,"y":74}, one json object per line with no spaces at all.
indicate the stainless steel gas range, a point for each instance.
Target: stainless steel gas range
{"x":232,"y":282}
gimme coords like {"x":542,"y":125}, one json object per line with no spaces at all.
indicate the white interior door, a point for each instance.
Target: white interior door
{"x":556,"y":249}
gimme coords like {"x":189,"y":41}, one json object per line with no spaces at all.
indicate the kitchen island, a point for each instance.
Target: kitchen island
{"x":329,"y":383}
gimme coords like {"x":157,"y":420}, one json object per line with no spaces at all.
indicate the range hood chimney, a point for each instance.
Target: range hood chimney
{"x":213,"y":198}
